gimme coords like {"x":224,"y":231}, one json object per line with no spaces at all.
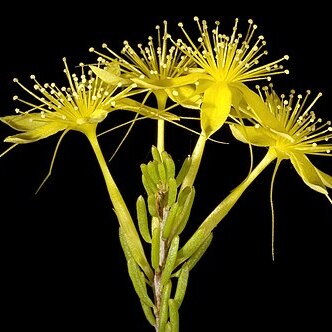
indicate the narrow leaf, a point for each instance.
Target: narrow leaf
{"x":170,"y":260}
{"x":142,"y":218}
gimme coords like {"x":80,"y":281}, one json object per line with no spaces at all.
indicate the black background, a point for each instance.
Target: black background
{"x":62,"y":265}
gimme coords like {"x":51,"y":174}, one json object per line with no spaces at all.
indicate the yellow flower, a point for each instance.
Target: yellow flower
{"x":290,"y":130}
{"x":81,"y":106}
{"x":228,"y":62}
{"x":160,"y":66}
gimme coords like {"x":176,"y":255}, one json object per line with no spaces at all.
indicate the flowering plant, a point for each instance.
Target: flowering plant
{"x":201,"y":86}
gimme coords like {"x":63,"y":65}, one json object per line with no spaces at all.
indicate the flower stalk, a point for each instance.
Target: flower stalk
{"x":120,"y":208}
{"x":222,"y":209}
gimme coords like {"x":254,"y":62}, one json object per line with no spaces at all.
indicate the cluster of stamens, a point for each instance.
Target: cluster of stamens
{"x":226,"y":57}
{"x":159,"y":61}
{"x":308,"y":132}
{"x":84,"y":95}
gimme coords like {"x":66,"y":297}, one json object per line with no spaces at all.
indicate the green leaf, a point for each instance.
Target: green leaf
{"x":137,"y":278}
{"x":165,"y":295}
{"x":148,"y":313}
{"x":196,"y":256}
{"x":152,"y":205}
{"x":191,"y":245}
{"x":171,"y":192}
{"x":155,"y":153}
{"x":124,"y":245}
{"x":169,"y":165}
{"x":142,"y":218}
{"x":170,"y":260}
{"x":152,"y":168}
{"x":173,"y":315}
{"x":181,"y":286}
{"x":183,"y":217}
{"x":155,"y":246}
{"x":183,"y":170}
{"x":169,"y":223}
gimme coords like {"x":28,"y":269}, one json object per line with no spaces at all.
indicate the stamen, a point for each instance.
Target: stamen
{"x":226,"y":59}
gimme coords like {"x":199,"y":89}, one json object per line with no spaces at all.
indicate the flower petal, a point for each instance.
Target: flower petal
{"x":308,"y":172}
{"x":111,"y":76}
{"x":150,"y":112}
{"x":252,"y":135}
{"x":24,"y":122}
{"x":46,"y":130}
{"x":326,"y":178}
{"x":259,"y":110}
{"x":237,"y":95}
{"x":169,"y":82}
{"x":215,"y":107}
{"x":185,"y":96}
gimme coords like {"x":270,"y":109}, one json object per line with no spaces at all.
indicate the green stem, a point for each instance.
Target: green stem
{"x":120,"y":208}
{"x":161,"y":135}
{"x":161,"y":97}
{"x":227,"y":203}
{"x":196,"y":158}
{"x":222,"y":209}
